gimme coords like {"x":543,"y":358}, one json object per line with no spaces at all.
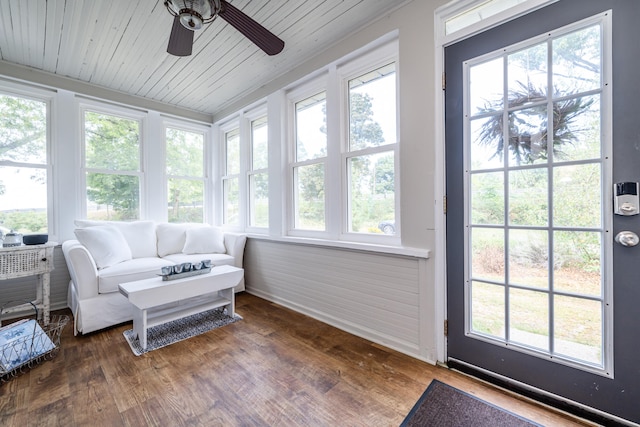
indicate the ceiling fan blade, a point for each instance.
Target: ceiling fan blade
{"x":180,"y":40}
{"x":255,"y":32}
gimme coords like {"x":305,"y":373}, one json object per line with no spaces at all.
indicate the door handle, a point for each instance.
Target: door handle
{"x":627,"y":238}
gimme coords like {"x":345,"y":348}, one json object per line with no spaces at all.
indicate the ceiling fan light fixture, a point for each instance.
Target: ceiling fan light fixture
{"x":194,"y":14}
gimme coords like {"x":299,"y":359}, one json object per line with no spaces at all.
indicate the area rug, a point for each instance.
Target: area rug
{"x":171,"y":332}
{"x":444,"y":406}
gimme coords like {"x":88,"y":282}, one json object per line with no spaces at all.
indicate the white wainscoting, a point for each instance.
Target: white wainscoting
{"x":380,"y":297}
{"x":24,"y":288}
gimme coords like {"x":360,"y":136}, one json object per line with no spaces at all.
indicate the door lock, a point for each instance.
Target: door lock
{"x":627,"y":238}
{"x":625,"y":201}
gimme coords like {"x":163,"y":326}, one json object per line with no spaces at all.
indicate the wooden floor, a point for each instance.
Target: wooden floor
{"x":273,"y":368}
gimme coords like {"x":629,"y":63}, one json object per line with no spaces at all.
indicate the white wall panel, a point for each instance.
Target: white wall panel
{"x":373,"y":295}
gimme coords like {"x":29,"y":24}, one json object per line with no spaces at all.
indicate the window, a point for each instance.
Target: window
{"x":231,"y":178}
{"x":258,"y":175}
{"x":344,"y":143}
{"x":23,"y":164}
{"x":185,"y":174}
{"x":309,"y":165}
{"x":112,"y":166}
{"x":371,"y":152}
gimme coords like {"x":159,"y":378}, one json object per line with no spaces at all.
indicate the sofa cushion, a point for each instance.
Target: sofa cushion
{"x":129,"y":271}
{"x":140,"y":235}
{"x":204,"y":240}
{"x":171,"y":237}
{"x":105,"y":243}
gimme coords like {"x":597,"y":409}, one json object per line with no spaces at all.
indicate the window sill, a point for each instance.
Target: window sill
{"x":362,"y":247}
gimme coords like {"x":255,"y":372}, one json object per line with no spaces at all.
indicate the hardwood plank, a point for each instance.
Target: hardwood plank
{"x":274,"y":367}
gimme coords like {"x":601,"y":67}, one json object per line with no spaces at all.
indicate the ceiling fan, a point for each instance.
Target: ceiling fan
{"x":190,"y":15}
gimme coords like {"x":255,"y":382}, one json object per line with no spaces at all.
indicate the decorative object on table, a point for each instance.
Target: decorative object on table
{"x":26,"y":343}
{"x":186,"y":269}
{"x":35,"y":239}
{"x":181,"y":329}
{"x":444,"y":405}
{"x":12,"y":239}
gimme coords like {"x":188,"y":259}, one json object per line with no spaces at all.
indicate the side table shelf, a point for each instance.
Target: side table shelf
{"x":30,"y":260}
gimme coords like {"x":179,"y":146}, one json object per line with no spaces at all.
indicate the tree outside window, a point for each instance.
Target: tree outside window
{"x":185,"y":175}
{"x":23,"y":164}
{"x":259,"y":174}
{"x":112,"y":163}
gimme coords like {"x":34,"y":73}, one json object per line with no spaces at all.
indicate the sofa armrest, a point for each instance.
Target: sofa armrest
{"x":235,"y":242}
{"x":82,"y":268}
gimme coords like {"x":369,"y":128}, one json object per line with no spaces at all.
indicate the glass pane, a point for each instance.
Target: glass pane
{"x":528,"y":197}
{"x":529,"y":258}
{"x":576,"y":196}
{"x":487,"y":309}
{"x":578,"y":328}
{"x":487,"y":143}
{"x":309,"y":197}
{"x":232,"y":151}
{"x":259,"y":196}
{"x":577,"y":62}
{"x":486,"y":87}
{"x":372,"y":108}
{"x":185,"y":153}
{"x":259,"y":144}
{"x":186,"y":200}
{"x":577,"y":262}
{"x":527,"y":75}
{"x":576,"y":134}
{"x":487,"y":198}
{"x":23,"y":130}
{"x":528,"y":136}
{"x":23,"y":200}
{"x":111,"y":143}
{"x":231,"y":214}
{"x":487,"y":254}
{"x":311,"y":132}
{"x":371,"y":192}
{"x":113,"y":197}
{"x":529,"y":318}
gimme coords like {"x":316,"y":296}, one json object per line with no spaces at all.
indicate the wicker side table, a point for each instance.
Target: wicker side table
{"x":33,"y":260}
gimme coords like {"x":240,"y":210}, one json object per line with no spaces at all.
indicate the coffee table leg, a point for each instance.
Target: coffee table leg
{"x":140,"y":326}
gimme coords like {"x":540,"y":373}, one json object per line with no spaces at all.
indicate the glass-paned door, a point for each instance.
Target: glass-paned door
{"x":535,"y":159}
{"x":541,"y":121}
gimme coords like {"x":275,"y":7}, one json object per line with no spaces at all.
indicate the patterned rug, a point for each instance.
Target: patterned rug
{"x":171,"y":332}
{"x":444,"y":406}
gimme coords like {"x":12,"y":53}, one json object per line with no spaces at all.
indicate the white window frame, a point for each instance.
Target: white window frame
{"x":206,"y":162}
{"x":48,"y":98}
{"x":333,"y":79}
{"x":251,"y":116}
{"x":229,"y":126}
{"x":122,"y":112}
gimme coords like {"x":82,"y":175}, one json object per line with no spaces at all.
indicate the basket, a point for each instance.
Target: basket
{"x":27,"y":342}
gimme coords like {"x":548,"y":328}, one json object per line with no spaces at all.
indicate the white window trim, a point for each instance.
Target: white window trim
{"x":251,"y":116}
{"x":117,"y":111}
{"x":207,"y":163}
{"x":231,"y":125}
{"x":19,"y":90}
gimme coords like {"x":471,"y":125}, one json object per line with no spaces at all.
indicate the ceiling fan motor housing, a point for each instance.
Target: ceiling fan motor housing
{"x":194,"y":14}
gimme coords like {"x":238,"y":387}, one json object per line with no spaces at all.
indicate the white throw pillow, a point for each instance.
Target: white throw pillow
{"x":105,"y":243}
{"x":171,"y":237}
{"x":204,"y":240}
{"x":140,"y":235}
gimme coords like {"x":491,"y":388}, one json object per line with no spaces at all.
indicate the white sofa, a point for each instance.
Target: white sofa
{"x":106,"y":254}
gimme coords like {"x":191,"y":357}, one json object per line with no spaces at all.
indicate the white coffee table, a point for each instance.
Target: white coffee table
{"x":156,"y":301}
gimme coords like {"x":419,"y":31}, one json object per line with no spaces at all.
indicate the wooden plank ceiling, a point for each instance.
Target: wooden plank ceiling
{"x":121,"y":45}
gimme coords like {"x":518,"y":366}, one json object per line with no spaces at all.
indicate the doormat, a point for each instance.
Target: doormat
{"x":177,"y":330}
{"x":444,"y":406}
